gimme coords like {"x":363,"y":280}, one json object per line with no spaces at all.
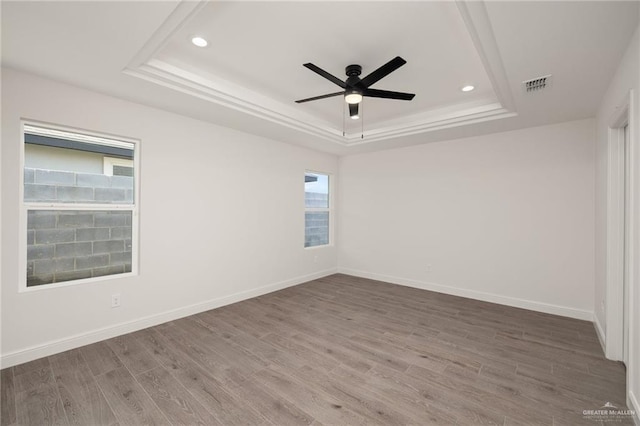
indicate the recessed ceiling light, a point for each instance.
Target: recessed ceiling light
{"x":355,"y":117}
{"x":199,"y":41}
{"x":468,"y":88}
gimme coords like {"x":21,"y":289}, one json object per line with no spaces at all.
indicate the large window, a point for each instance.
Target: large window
{"x":79,"y":211}
{"x":317,"y":213}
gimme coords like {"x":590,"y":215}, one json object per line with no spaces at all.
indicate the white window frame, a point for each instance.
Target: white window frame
{"x":25,"y":206}
{"x":320,"y":209}
{"x":109,"y":162}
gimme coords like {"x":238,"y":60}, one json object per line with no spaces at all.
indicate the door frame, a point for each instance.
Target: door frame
{"x":617,"y":330}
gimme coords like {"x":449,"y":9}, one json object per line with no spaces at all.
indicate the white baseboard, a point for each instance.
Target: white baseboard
{"x":478,"y":295}
{"x":600,"y":333}
{"x":78,"y":340}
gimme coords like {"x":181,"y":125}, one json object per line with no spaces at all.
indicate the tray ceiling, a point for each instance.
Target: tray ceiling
{"x":256,"y":50}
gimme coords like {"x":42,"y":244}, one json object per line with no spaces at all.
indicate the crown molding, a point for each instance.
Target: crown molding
{"x":184,"y":11}
{"x":232,"y":96}
{"x":475,"y":17}
{"x":211,"y":88}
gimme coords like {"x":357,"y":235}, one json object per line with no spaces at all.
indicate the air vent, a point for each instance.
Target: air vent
{"x":536,"y":84}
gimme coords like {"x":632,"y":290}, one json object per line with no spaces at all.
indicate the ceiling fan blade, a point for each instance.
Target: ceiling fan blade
{"x":315,"y":98}
{"x":373,"y":93}
{"x":383,"y":71}
{"x":326,"y":75}
{"x":353,"y":111}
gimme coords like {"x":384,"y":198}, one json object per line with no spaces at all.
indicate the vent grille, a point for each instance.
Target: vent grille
{"x":536,"y":84}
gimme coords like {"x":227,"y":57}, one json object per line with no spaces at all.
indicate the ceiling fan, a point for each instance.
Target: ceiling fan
{"x":355,"y":87}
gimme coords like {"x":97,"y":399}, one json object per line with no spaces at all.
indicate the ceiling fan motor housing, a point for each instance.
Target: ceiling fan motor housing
{"x":353,"y":70}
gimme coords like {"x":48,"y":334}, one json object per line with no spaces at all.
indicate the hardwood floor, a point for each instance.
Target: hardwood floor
{"x":335,"y":351}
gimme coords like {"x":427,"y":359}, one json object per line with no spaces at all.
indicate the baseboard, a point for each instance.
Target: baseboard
{"x":600,"y":333}
{"x":472,"y":294}
{"x":632,"y":403}
{"x":78,"y":340}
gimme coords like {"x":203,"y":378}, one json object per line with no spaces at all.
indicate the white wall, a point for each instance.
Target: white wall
{"x":627,"y":77}
{"x":506,"y":217}
{"x":221,"y":219}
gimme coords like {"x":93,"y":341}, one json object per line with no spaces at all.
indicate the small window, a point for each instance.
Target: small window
{"x":80,"y":215}
{"x":118,"y":166}
{"x":317,"y":213}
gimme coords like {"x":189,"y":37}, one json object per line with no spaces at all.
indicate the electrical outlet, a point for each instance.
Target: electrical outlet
{"x":429,"y":267}
{"x":115,"y":300}
{"x":315,"y":259}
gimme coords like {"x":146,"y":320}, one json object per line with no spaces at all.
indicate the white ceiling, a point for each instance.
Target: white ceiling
{"x":251,"y":73}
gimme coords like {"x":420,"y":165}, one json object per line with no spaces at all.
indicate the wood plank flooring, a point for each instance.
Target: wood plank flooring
{"x":335,"y":351}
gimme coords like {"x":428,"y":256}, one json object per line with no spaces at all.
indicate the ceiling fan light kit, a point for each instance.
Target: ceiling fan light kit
{"x":353,"y":96}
